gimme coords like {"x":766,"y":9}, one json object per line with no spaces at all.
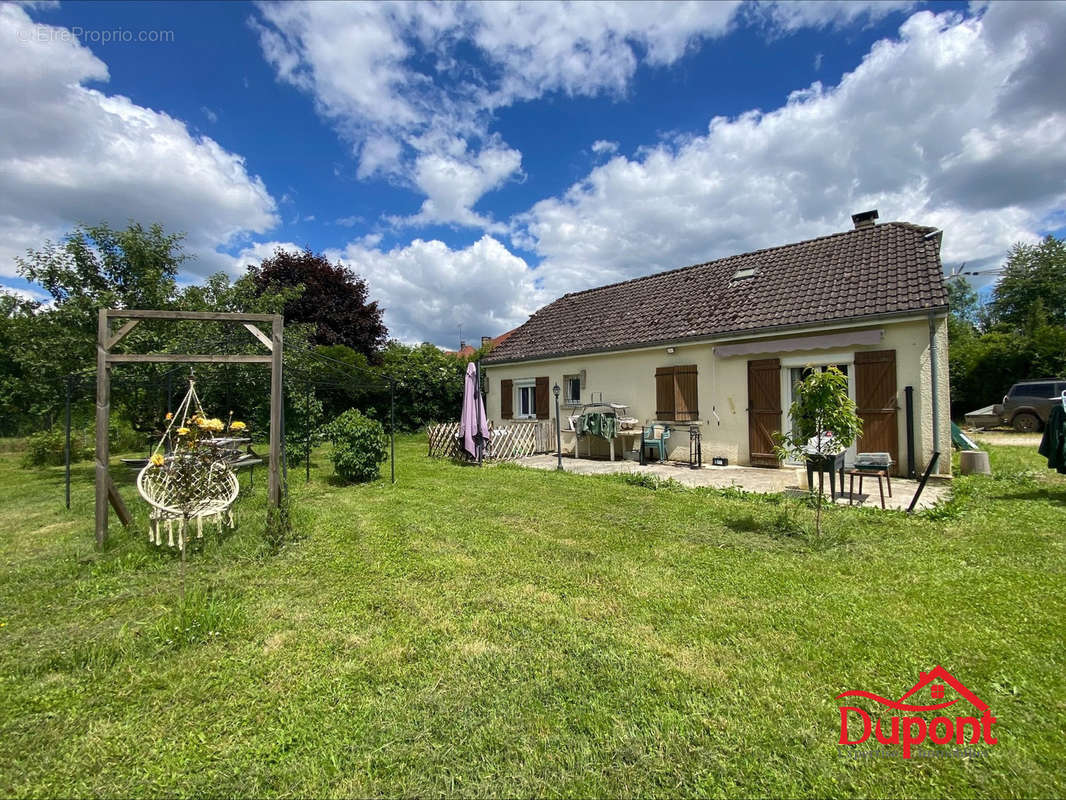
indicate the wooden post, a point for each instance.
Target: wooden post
{"x":103,"y":413}
{"x":66,"y":447}
{"x":274,"y":484}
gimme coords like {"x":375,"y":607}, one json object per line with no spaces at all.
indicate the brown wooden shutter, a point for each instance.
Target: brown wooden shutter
{"x":664,"y":393}
{"x":541,"y":398}
{"x":875,"y":398}
{"x":764,"y":410}
{"x":686,"y":407}
{"x":506,"y":399}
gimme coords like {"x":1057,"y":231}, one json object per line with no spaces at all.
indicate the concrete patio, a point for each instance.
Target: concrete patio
{"x":788,"y":479}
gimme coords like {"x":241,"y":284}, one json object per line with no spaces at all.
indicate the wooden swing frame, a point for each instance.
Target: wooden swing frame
{"x":106,"y":339}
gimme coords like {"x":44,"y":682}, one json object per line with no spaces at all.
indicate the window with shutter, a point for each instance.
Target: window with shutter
{"x":676,"y":393}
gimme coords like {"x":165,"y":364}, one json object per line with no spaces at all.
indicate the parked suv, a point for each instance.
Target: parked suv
{"x":1027,"y":405}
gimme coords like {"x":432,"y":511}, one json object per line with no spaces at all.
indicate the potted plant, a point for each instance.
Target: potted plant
{"x":824,"y":425}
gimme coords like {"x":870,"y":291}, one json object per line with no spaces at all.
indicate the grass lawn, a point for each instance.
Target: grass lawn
{"x":516,"y":632}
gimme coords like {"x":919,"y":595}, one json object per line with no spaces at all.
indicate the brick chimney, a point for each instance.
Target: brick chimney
{"x":864,"y":219}
{"x":486,"y":340}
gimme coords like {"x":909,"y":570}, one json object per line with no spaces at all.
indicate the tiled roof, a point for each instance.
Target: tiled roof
{"x":892,"y":268}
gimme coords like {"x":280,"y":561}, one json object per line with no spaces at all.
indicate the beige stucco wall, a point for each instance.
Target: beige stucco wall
{"x":629,"y":377}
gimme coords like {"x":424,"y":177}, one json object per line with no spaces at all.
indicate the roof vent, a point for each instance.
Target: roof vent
{"x":864,"y":219}
{"x":744,"y":273}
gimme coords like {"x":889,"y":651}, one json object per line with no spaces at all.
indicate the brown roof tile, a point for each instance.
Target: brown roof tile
{"x":891,"y":268}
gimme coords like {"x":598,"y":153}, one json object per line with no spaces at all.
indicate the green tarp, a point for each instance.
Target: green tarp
{"x":598,"y":424}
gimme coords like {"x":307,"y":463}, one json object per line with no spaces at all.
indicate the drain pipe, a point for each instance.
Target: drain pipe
{"x":934,"y":376}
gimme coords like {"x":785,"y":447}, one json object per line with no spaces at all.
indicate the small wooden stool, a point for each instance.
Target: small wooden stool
{"x":869,"y":473}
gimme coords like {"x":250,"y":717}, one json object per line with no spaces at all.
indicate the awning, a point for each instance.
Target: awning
{"x":828,"y":341}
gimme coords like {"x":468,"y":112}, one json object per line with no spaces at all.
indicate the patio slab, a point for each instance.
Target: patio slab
{"x":751,"y":479}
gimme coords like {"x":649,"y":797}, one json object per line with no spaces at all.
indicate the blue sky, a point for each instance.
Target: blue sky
{"x":474,"y":161}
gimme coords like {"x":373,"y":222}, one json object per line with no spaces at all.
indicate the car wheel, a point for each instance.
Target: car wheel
{"x":1026,"y":423}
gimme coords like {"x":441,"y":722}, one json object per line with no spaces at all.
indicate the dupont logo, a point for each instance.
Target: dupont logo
{"x":970,"y":724}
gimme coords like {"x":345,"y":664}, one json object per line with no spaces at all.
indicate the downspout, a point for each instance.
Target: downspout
{"x":934,"y":376}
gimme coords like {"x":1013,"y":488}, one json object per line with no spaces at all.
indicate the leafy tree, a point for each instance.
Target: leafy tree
{"x":1033,"y":272}
{"x":334,"y":299}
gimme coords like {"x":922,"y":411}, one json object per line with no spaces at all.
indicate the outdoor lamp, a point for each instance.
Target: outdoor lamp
{"x":558,"y":432}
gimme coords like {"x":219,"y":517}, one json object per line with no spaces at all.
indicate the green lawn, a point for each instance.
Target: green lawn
{"x":515,"y":632}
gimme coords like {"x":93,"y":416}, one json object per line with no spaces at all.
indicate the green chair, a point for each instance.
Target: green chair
{"x":656,"y":442}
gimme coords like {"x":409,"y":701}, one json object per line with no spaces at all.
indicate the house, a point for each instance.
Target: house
{"x":467,"y":351}
{"x":720,"y":346}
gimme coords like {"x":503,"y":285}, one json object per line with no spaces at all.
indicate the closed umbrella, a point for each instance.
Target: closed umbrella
{"x":473,"y":426}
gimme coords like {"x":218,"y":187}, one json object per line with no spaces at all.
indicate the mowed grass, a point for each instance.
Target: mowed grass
{"x":513,"y":632}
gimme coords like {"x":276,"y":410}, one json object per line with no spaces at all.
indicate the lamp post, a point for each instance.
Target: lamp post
{"x":558,"y":431}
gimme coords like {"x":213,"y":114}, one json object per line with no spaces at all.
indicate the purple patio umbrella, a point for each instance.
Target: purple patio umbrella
{"x":473,"y":426}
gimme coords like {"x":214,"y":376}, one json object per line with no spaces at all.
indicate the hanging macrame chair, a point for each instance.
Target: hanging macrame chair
{"x":205,"y":489}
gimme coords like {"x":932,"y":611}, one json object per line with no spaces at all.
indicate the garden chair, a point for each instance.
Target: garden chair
{"x":656,"y":442}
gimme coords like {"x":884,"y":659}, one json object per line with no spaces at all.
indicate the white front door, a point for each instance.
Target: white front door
{"x":794,"y":375}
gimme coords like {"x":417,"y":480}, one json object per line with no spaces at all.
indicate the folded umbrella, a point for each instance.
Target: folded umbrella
{"x":473,"y":426}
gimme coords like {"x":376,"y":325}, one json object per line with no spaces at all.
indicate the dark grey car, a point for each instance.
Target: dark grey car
{"x":1028,"y":403}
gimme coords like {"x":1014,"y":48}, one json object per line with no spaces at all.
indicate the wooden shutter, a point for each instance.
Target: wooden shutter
{"x":686,"y":407}
{"x":764,"y":410}
{"x":506,"y":399}
{"x":664,"y":393}
{"x":875,"y":397}
{"x":541,"y":399}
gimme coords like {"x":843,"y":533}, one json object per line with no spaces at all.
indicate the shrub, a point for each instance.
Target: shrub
{"x":359,"y":446}
{"x":46,"y":448}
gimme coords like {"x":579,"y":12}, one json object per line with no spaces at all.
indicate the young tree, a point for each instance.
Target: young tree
{"x":334,"y":299}
{"x":823,"y":418}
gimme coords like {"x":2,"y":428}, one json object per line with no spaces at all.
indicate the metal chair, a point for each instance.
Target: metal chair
{"x":656,"y":442}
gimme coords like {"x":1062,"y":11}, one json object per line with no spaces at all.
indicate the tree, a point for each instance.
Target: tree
{"x":334,"y":299}
{"x":823,"y":415}
{"x":1033,"y":272}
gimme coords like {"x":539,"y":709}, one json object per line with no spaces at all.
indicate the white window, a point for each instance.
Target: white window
{"x":525,"y":399}
{"x":571,"y":390}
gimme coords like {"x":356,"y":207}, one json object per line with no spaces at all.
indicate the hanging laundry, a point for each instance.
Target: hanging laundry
{"x":1053,"y":445}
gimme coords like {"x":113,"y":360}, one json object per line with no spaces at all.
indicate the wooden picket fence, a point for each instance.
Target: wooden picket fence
{"x":508,"y":442}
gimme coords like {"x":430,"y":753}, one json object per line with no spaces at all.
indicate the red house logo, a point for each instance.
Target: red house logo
{"x":911,"y":730}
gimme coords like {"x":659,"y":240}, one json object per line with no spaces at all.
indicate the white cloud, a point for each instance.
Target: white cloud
{"x":787,"y":16}
{"x":70,"y":153}
{"x":25,"y":294}
{"x":453,"y":185}
{"x":604,"y":147}
{"x":428,"y":289}
{"x":947,"y":125}
{"x":398,"y":82}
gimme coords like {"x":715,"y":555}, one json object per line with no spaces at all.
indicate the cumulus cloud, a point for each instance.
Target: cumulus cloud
{"x":943,"y":125}
{"x":428,"y":289}
{"x":604,"y":147}
{"x":398,"y":81}
{"x":71,"y":153}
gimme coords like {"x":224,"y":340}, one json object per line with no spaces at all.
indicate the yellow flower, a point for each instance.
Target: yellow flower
{"x":169,"y":416}
{"x":157,"y":460}
{"x":183,"y":431}
{"x":213,"y":425}
{"x":237,"y":425}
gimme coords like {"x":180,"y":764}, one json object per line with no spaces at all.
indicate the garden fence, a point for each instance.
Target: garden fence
{"x":507,"y":442}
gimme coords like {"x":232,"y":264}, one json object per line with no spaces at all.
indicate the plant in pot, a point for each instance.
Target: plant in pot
{"x":824,"y":424}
